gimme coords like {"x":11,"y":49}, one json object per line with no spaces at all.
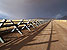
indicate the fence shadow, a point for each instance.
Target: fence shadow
{"x":22,"y":43}
{"x":49,"y":43}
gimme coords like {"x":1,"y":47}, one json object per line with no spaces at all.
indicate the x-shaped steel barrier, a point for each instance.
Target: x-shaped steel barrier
{"x":1,"y":24}
{"x":36,"y":22}
{"x":8,"y":25}
{"x":15,"y":26}
{"x":26,"y":24}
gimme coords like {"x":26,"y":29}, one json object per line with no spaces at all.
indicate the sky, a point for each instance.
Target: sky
{"x":22,"y":9}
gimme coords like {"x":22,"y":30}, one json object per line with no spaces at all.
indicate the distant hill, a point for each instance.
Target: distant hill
{"x":63,"y":18}
{"x":41,"y":18}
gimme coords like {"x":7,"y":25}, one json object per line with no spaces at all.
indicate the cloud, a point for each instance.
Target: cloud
{"x":17,"y":9}
{"x":3,"y":15}
{"x":59,"y":15}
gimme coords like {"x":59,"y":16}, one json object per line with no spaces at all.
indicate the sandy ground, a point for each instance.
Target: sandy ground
{"x":52,"y":37}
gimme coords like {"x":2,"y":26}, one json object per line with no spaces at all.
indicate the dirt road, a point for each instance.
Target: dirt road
{"x":53,"y":37}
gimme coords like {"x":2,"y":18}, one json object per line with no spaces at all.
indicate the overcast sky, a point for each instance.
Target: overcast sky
{"x":20,"y":9}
